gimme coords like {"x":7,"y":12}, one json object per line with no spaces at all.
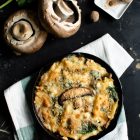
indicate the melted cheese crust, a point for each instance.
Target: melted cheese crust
{"x":81,"y":117}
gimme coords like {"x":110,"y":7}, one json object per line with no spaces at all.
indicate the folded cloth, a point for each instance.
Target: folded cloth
{"x":105,"y":48}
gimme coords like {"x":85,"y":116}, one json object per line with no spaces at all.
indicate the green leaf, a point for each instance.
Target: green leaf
{"x":87,"y":128}
{"x":113,"y":94}
{"x":23,"y":2}
{"x":67,"y":84}
{"x":96,"y":75}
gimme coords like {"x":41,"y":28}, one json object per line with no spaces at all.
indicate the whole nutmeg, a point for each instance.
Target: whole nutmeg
{"x":95,"y":16}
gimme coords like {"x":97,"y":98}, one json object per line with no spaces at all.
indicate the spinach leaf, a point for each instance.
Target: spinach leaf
{"x":96,"y":75}
{"x":87,"y":128}
{"x":23,"y":2}
{"x":103,"y":110}
{"x":67,"y":84}
{"x":112,"y":93}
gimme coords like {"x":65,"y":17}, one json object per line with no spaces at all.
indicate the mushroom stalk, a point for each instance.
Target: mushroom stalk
{"x":63,"y":11}
{"x":22,"y":30}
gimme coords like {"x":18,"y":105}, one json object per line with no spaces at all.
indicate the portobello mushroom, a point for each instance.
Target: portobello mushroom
{"x":23,"y":33}
{"x":60,"y":17}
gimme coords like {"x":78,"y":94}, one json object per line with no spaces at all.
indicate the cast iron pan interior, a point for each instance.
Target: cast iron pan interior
{"x":109,"y":70}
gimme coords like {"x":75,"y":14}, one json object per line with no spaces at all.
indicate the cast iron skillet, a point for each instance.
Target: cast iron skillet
{"x":116,"y":83}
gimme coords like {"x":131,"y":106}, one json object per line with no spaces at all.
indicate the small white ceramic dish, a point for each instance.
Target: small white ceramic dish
{"x":115,"y":11}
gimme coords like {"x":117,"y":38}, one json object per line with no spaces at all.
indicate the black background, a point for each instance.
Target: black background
{"x":125,"y":30}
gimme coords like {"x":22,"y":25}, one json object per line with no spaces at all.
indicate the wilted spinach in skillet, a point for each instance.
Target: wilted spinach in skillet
{"x":87,"y":128}
{"x":112,"y":93}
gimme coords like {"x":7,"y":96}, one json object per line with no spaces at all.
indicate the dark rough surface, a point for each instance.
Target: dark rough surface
{"x":126,"y":31}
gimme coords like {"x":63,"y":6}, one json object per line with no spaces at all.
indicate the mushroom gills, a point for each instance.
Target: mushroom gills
{"x":74,"y":93}
{"x":22,"y":30}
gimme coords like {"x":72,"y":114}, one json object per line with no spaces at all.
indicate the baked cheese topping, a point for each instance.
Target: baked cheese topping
{"x":76,"y":98}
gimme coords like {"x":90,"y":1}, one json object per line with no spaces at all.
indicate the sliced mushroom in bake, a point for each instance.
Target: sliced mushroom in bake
{"x":75,"y":93}
{"x":23,"y":33}
{"x":60,"y":17}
